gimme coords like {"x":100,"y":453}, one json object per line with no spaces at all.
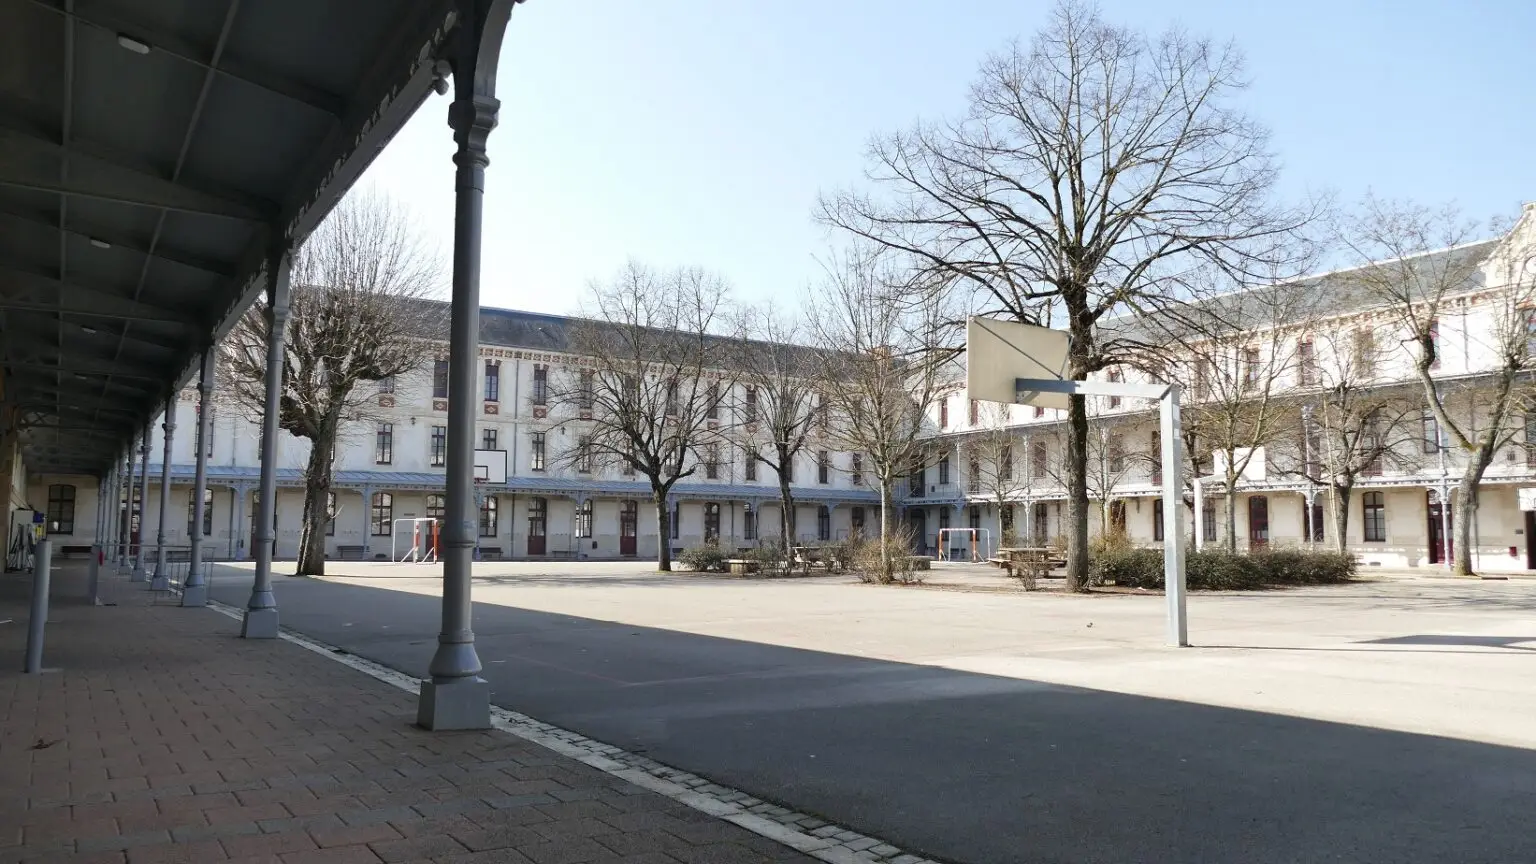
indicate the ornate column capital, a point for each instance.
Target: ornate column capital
{"x":472,"y":118}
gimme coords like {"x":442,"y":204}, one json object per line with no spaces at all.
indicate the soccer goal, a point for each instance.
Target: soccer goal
{"x":973,"y":542}
{"x":422,"y":528}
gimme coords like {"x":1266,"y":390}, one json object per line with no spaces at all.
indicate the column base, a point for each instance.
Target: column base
{"x":160,"y":583}
{"x":139,"y":575}
{"x":194,"y":595}
{"x":259,"y":624}
{"x":460,"y":703}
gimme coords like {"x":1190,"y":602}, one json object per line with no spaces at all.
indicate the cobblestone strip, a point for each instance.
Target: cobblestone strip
{"x":800,"y":831}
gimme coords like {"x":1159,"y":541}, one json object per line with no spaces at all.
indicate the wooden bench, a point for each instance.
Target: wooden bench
{"x":74,"y":550}
{"x":741,"y":566}
{"x":351,"y":553}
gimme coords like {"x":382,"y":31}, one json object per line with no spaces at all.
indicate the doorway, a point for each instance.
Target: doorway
{"x":629,"y":523}
{"x":1258,"y":521}
{"x":538,"y":521}
{"x":918,"y":520}
{"x":1442,"y":547}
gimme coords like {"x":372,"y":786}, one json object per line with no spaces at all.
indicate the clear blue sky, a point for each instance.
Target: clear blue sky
{"x":699,"y":132}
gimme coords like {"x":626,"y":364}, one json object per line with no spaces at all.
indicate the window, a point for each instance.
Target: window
{"x":823,"y":523}
{"x":439,"y":446}
{"x":1431,"y":431}
{"x":1312,"y":442}
{"x":437,"y":506}
{"x":712,"y":410}
{"x":627,"y":468}
{"x":749,"y":524}
{"x":493,"y":380}
{"x":440,"y":379}
{"x":584,"y":454}
{"x":330,"y":515}
{"x":61,"y":509}
{"x":973,"y":475}
{"x":387,"y":384}
{"x":1202,"y":378}
{"x":536,"y":451}
{"x":1208,"y":520}
{"x":823,"y":413}
{"x":1306,"y":363}
{"x":1005,"y":463}
{"x":584,"y":519}
{"x":1433,"y":331}
{"x":584,"y":396}
{"x":750,"y":415}
{"x":1115,"y":376}
{"x":1375,"y":524}
{"x":712,"y":462}
{"x":1039,"y":460}
{"x":1250,"y":367}
{"x":857,"y":474}
{"x":384,"y":444}
{"x":711,"y":522}
{"x":856,"y":522}
{"x":1365,"y":352}
{"x":207,"y":511}
{"x":1371,"y":448}
{"x":752,"y":466}
{"x":490,"y":516}
{"x":1157,"y":520}
{"x":1115,"y":453}
{"x":915,"y":477}
{"x":975,"y":412}
{"x":671,"y":398}
{"x":944,"y":469}
{"x":488,"y":439}
{"x":1530,"y":331}
{"x":1157,"y":459}
{"x":538,"y":517}
{"x":677,"y":521}
{"x":383,"y":513}
{"x":823,"y":468}
{"x":944,"y":413}
{"x":540,"y":384}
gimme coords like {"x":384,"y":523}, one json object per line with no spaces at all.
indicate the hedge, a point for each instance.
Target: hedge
{"x":1219,"y":570}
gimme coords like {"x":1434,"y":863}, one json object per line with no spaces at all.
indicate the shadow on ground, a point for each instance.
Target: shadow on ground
{"x":968,"y":767}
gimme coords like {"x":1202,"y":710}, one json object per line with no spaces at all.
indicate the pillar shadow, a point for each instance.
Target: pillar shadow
{"x":967,"y":767}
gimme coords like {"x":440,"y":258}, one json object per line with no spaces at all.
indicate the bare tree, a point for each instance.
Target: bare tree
{"x":360,"y":311}
{"x":658,"y":357}
{"x":996,"y":464}
{"x":1110,"y":461}
{"x":880,"y":362}
{"x":1416,"y":262}
{"x":778,"y":408}
{"x":1091,"y":168}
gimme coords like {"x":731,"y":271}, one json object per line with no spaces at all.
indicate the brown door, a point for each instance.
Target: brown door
{"x":1441,"y":546}
{"x":1530,"y":547}
{"x":538,"y":519}
{"x":1258,"y":521}
{"x":629,"y":514}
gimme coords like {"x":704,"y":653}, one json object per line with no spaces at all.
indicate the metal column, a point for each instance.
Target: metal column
{"x":456,"y":697}
{"x":1173,"y":521}
{"x":162,"y":580}
{"x":261,"y":611}
{"x":195,"y":591}
{"x":138,"y":564}
{"x":37,"y":620}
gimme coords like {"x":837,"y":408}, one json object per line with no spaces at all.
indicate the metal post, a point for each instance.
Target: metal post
{"x":162,"y":580}
{"x":457,"y":697}
{"x":240,"y":492}
{"x":1173,"y":529}
{"x":42,"y":564}
{"x":123,"y":503}
{"x":139,"y":575}
{"x":367,"y":510}
{"x":195,"y":591}
{"x":260,"y":620}
{"x":1199,"y":514}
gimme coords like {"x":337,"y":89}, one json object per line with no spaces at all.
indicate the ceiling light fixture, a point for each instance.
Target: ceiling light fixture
{"x":88,"y":330}
{"x":100,"y":244}
{"x":132,"y":44}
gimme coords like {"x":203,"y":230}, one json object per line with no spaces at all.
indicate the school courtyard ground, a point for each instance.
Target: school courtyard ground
{"x":702,"y":718}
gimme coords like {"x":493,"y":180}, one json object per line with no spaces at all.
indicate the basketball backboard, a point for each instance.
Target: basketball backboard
{"x":490,"y":466}
{"x":998,"y":353}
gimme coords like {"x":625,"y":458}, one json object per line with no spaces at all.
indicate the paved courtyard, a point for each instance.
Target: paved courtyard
{"x":1390,"y":721}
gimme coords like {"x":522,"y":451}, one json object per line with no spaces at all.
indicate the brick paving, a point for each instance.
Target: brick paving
{"x":161,"y":737}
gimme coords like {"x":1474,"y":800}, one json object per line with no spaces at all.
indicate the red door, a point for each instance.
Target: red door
{"x":629,"y":518}
{"x":1440,"y":546}
{"x":1258,"y":521}
{"x":538,"y":513}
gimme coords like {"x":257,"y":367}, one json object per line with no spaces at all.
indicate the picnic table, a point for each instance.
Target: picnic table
{"x":1036,"y":559}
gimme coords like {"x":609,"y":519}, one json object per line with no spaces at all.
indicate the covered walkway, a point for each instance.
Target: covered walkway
{"x":161,"y":738}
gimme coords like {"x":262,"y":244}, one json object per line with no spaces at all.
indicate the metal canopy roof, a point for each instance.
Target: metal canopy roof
{"x":150,"y":150}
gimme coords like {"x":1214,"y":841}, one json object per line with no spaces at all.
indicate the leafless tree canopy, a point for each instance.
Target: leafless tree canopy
{"x":360,"y":310}
{"x":1093,"y":168}
{"x":777,"y":406}
{"x":660,"y":348}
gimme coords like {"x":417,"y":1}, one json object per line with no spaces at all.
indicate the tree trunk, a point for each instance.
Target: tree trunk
{"x":663,"y":530}
{"x":1341,"y":496}
{"x":1464,"y":511}
{"x":317,"y":487}
{"x":1077,"y":495}
{"x":887,"y":527}
{"x":786,"y":514}
{"x":1229,"y":525}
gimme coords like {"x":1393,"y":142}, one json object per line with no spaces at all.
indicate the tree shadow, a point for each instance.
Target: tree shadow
{"x":969,"y":767}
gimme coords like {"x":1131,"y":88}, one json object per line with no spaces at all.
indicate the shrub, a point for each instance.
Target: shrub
{"x":769,"y":557}
{"x":1219,"y":570}
{"x":865,"y":559}
{"x":703,"y":558}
